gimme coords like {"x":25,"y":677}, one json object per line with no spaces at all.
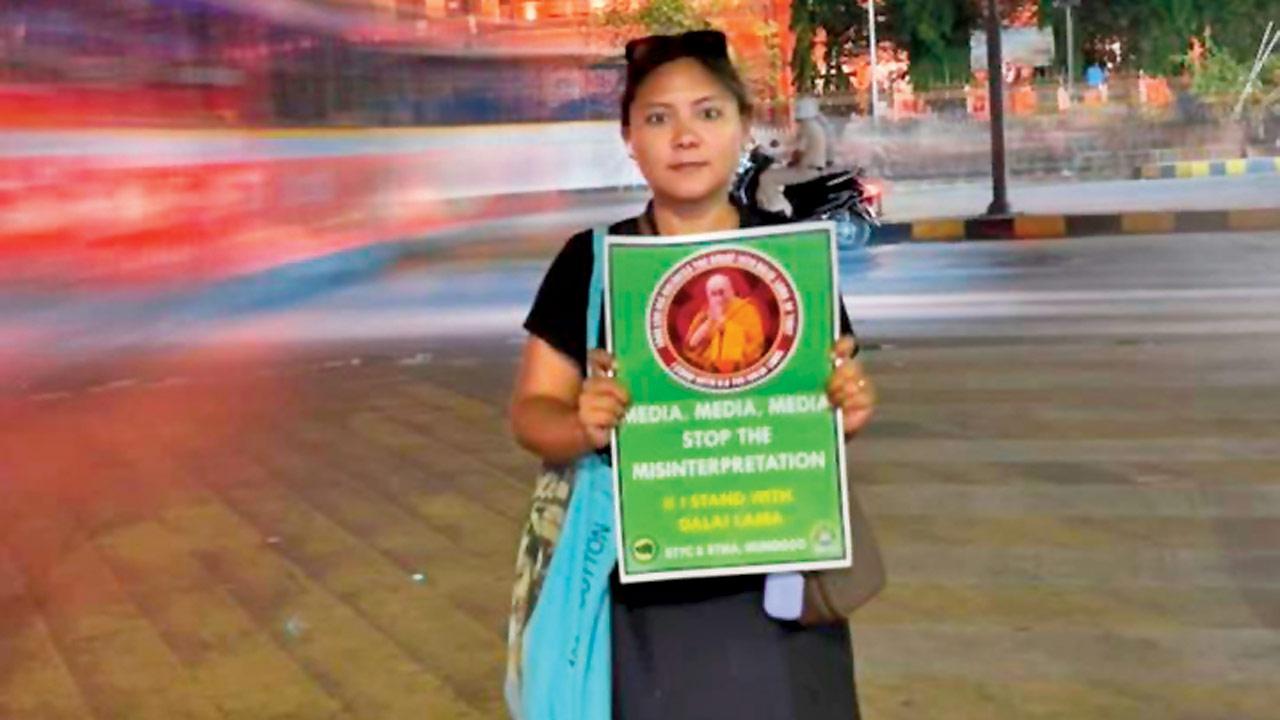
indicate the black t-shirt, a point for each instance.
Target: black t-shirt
{"x":559,"y":311}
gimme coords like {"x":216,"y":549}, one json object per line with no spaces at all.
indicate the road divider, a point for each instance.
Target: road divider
{"x":1049,"y":226}
{"x":1209,"y":168}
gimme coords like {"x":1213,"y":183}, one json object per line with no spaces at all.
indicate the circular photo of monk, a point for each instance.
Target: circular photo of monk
{"x":724,"y":319}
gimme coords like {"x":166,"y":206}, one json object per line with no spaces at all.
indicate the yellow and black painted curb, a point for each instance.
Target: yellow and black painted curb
{"x":1209,"y":168}
{"x":1033,"y":227}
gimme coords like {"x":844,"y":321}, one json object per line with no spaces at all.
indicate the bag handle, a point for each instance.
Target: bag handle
{"x":595,"y":292}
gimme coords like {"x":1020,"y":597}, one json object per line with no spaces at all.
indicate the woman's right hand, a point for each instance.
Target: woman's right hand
{"x":603,"y":401}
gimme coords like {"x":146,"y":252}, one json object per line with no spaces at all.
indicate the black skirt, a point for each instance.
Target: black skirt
{"x":706,"y":650}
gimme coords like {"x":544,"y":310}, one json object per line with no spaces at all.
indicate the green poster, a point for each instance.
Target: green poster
{"x":730,"y":460}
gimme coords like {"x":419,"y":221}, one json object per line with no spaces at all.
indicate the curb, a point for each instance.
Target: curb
{"x":1033,"y":227}
{"x":1209,"y":168}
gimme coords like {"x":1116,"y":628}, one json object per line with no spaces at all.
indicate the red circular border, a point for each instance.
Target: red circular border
{"x":770,"y":273}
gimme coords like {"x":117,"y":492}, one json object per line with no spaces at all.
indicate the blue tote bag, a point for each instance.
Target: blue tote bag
{"x":560,"y":665}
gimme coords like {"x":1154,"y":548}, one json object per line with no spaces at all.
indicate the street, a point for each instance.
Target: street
{"x":310,"y":509}
{"x":908,"y":201}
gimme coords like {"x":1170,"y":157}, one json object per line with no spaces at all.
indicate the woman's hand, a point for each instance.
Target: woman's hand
{"x":603,"y":401}
{"x":849,"y":389}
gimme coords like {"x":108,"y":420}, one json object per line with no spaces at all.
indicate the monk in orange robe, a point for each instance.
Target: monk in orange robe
{"x":728,"y":334}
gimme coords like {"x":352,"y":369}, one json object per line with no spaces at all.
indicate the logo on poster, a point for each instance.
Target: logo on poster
{"x":724,"y":319}
{"x":644,"y":550}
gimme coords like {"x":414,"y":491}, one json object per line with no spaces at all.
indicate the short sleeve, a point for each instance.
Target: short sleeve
{"x":560,"y":308}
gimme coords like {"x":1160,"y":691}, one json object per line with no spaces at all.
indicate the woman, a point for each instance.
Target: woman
{"x":697,"y":648}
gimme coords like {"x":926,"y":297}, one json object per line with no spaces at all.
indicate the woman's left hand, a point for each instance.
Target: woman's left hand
{"x":849,"y":389}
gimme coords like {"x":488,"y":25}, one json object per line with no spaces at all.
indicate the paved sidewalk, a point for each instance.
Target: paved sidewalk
{"x":1070,"y":531}
{"x":297,"y":543}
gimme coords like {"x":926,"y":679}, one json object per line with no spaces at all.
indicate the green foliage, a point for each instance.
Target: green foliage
{"x":1048,"y":10}
{"x":843,"y":24}
{"x":804,"y":71}
{"x":936,"y":33}
{"x":670,"y":16}
{"x":1270,"y":92}
{"x":1160,"y":41}
{"x":656,"y":17}
{"x":1219,"y":75}
{"x":947,"y":69}
{"x":1154,"y":34}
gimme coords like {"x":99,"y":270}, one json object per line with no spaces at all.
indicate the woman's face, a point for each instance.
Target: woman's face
{"x":686,"y":132}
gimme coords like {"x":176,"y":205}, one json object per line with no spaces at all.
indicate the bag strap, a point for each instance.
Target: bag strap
{"x":595,"y":292}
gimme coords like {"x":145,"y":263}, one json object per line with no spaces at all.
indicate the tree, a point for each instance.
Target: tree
{"x":1220,"y":77}
{"x":655,"y":17}
{"x":667,"y":17}
{"x":936,"y":34}
{"x":1154,"y":34}
{"x":842,"y":24}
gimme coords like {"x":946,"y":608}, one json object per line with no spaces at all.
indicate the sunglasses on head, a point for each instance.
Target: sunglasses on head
{"x":710,"y":44}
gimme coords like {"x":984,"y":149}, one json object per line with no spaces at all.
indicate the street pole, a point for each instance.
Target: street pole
{"x":875,"y":91}
{"x":995,"y":94}
{"x":1071,"y":55}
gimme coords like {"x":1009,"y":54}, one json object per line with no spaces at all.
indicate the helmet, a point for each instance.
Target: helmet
{"x":806,"y":108}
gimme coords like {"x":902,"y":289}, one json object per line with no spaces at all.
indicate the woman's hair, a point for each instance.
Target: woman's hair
{"x":708,"y":47}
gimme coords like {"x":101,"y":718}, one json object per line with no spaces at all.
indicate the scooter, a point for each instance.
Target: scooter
{"x":843,"y":196}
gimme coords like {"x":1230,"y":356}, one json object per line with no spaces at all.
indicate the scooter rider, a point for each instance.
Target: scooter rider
{"x":813,"y":155}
